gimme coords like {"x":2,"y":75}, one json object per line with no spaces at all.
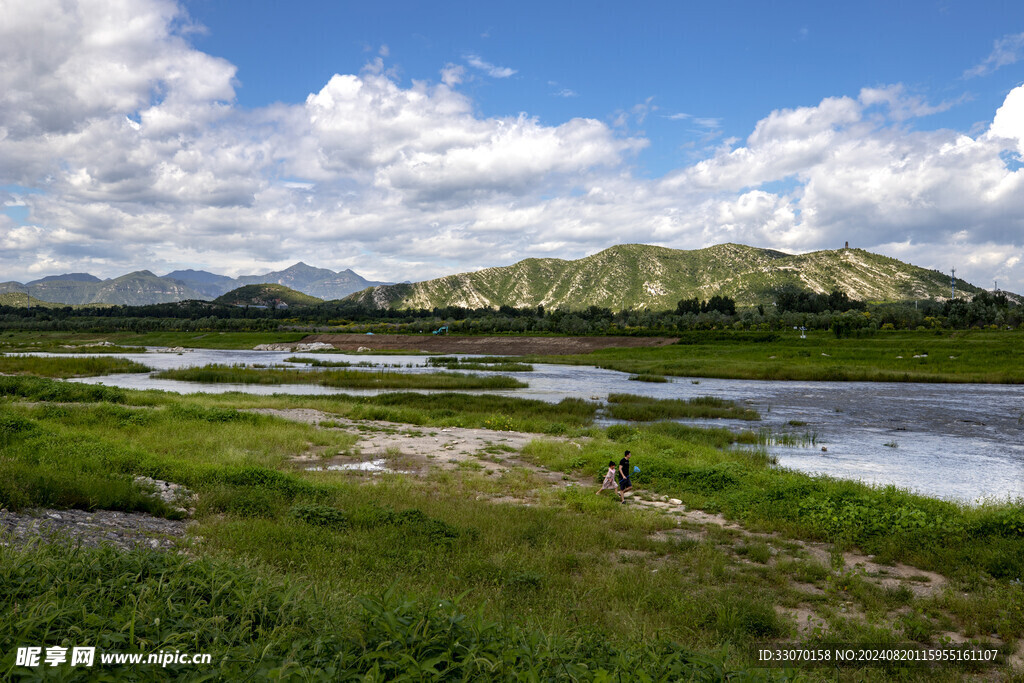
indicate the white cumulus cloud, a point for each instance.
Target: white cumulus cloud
{"x":137,"y":156}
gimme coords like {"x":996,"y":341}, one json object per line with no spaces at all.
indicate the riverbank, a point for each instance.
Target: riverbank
{"x":944,"y":356}
{"x":721,"y":552}
{"x":975,"y":356}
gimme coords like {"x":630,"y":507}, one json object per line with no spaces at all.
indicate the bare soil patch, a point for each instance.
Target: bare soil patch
{"x":416,"y":450}
{"x":498,"y":346}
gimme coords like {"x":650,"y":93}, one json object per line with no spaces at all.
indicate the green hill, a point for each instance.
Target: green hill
{"x":134,"y":289}
{"x":636,"y":275}
{"x":271,"y":296}
{"x":17,"y":299}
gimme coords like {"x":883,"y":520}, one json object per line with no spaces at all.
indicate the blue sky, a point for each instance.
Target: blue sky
{"x":408,"y":140}
{"x":729,"y":63}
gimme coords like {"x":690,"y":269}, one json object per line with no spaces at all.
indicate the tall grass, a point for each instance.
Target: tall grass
{"x":484,"y":363}
{"x":645,"y":409}
{"x":317,"y":363}
{"x":259,"y":625}
{"x":963,"y":356}
{"x":295,"y":564}
{"x":351,"y":379}
{"x":67,"y":367}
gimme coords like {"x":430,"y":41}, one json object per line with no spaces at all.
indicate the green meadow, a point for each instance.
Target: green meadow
{"x":48,"y":366}
{"x":85,"y":342}
{"x":888,"y":356}
{"x":350,"y":379}
{"x":503,"y":565}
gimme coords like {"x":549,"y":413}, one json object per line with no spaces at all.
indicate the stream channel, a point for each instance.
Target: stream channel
{"x":961,"y":442}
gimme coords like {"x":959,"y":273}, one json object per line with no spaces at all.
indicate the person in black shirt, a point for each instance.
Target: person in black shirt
{"x":625,"y":485}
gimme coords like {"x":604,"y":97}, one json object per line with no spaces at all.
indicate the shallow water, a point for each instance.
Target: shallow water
{"x":956,"y":441}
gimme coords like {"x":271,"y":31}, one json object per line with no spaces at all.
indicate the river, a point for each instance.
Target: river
{"x":955,"y":441}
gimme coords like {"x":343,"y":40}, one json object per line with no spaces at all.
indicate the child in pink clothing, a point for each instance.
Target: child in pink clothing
{"x":609,"y":478}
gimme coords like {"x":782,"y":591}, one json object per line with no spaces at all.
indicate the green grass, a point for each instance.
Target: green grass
{"x":893,"y":524}
{"x":262,"y":625}
{"x":644,"y":409}
{"x":656,"y":379}
{"x":351,"y":379}
{"x":968,"y":356}
{"x":67,"y":367}
{"x":317,"y":363}
{"x":289,"y":572}
{"x":53,"y":341}
{"x":484,"y":363}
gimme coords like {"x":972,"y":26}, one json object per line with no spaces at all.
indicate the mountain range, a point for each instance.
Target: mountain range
{"x":624,"y":276}
{"x":637,"y":275}
{"x":143,"y":287}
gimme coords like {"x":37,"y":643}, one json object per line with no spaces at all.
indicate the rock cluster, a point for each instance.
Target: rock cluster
{"x":124,"y":530}
{"x":175,"y":495}
{"x":314,"y":346}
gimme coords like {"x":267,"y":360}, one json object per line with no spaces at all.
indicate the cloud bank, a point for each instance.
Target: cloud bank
{"x":128,"y":150}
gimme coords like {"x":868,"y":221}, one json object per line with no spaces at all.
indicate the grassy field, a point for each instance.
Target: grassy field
{"x":888,"y":356}
{"x":349,"y":379}
{"x":67,"y":367}
{"x":482,"y":363}
{"x":967,"y":356}
{"x":644,"y":409}
{"x":55,"y":342}
{"x":296,"y":574}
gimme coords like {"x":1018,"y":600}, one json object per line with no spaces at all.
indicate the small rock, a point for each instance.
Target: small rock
{"x":674,"y":501}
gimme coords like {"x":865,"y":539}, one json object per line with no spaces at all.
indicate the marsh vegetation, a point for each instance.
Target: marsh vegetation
{"x":350,"y":379}
{"x":502,"y":565}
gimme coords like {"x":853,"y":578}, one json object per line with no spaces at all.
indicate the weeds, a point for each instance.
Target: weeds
{"x":67,"y":367}
{"x":352,"y":379}
{"x":643,"y":409}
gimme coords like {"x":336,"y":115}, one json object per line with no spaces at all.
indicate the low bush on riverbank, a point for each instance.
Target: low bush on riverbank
{"x":645,"y":409}
{"x":349,"y":379}
{"x":482,"y":363}
{"x":39,"y":389}
{"x":46,"y":366}
{"x":647,"y":377}
{"x":317,"y":363}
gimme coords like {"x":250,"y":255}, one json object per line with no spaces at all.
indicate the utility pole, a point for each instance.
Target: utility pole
{"x":952,"y":280}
